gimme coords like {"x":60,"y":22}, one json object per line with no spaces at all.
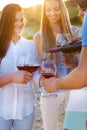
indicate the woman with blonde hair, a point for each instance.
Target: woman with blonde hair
{"x":55,"y":20}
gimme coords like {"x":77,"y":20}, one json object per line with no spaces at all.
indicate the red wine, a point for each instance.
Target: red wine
{"x":21,"y":67}
{"x":30,"y":68}
{"x":48,"y":75}
{"x":68,"y":48}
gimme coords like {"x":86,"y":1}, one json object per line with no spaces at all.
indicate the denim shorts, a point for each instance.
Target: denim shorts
{"x":25,"y":124}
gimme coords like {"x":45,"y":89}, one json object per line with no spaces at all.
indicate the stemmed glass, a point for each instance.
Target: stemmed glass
{"x":47,"y":67}
{"x":30,"y":65}
{"x":62,"y":39}
{"x":20,"y":63}
{"x":27,"y":63}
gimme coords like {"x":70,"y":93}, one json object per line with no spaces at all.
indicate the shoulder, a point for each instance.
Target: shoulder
{"x":37,"y":36}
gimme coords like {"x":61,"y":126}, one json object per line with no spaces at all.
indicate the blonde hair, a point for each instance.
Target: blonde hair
{"x":48,"y":39}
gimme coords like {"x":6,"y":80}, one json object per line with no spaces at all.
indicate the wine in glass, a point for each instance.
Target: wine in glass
{"x":30,"y":65}
{"x":48,"y":67}
{"x":47,"y":74}
{"x":20,"y":63}
{"x":31,"y":68}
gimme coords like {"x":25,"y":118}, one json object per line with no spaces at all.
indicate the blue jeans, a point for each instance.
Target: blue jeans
{"x":25,"y":124}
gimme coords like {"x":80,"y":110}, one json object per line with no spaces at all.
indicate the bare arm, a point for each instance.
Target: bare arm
{"x":74,"y":80}
{"x":19,"y":77}
{"x":37,"y":41}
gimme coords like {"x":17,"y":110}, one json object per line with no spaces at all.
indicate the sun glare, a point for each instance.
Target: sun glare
{"x":23,"y":3}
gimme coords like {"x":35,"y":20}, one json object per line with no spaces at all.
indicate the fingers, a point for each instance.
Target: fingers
{"x":74,"y":40}
{"x":49,"y":85}
{"x":25,"y":76}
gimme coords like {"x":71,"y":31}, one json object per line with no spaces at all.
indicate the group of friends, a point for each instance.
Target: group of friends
{"x":17,"y":97}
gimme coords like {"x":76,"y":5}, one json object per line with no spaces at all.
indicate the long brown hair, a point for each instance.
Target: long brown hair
{"x":48,"y":39}
{"x":7,"y":21}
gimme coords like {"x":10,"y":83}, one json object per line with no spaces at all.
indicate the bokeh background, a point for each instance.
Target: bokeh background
{"x":33,"y":15}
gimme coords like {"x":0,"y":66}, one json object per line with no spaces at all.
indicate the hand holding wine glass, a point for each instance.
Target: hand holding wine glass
{"x":21,"y":76}
{"x":48,"y":67}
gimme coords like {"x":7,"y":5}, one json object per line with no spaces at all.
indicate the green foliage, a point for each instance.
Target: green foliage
{"x":32,"y":21}
{"x":72,"y":9}
{"x":74,"y":14}
{"x":30,"y":37}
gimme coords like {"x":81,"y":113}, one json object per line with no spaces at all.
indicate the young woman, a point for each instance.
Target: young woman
{"x":17,"y":97}
{"x":55,"y":20}
{"x":78,"y":74}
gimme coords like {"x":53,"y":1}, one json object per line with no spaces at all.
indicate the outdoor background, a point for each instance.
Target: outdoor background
{"x":32,"y":25}
{"x":33,"y":15}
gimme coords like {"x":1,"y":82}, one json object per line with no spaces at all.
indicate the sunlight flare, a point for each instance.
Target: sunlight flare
{"x":24,"y":3}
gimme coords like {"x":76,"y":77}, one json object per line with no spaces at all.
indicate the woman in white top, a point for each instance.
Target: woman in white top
{"x":17,"y":98}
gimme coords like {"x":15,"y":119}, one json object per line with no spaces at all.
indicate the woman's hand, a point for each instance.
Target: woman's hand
{"x":76,"y":38}
{"x":50,"y":84}
{"x":21,"y":77}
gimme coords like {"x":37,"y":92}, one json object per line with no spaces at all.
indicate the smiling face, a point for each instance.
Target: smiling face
{"x":52,"y":11}
{"x":19,"y":23}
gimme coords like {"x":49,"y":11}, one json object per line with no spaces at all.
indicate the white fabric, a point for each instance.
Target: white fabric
{"x":52,"y":107}
{"x":77,"y":101}
{"x":17,"y":100}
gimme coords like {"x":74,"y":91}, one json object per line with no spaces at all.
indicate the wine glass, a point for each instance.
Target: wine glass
{"x":20,"y":63}
{"x":30,"y":65}
{"x":20,"y":66}
{"x":62,"y":39}
{"x":47,"y":67}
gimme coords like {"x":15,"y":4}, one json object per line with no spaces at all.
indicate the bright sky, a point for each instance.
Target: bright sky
{"x":23,"y":3}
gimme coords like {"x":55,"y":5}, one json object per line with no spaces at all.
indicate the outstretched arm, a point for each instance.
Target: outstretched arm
{"x":74,"y":80}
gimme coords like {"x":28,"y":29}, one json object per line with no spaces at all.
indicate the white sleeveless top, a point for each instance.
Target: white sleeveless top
{"x":77,"y":100}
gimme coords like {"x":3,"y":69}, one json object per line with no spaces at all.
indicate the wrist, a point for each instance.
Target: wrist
{"x":12,"y":79}
{"x":56,"y":84}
